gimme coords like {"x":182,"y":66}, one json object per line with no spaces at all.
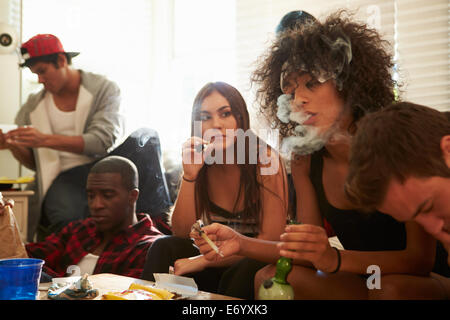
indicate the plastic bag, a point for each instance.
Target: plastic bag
{"x":11,"y":245}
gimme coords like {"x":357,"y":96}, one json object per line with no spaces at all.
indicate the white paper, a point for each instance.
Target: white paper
{"x":181,"y":285}
{"x":7,"y":127}
{"x":65,"y":280}
{"x":63,"y":284}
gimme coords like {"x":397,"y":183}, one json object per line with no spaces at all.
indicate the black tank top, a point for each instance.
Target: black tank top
{"x":365,"y":231}
{"x":356,"y":230}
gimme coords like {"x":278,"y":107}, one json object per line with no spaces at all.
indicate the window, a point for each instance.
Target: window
{"x":161,"y":52}
{"x":113,"y":38}
{"x":422,"y":37}
{"x":417,"y":29}
{"x":201,"y":50}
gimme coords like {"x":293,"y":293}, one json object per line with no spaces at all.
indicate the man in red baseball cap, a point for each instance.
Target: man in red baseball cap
{"x":43,"y":47}
{"x":63,"y":128}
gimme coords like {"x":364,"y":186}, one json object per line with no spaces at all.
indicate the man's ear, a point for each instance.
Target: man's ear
{"x":445,"y":147}
{"x":133,"y":196}
{"x":62,"y":60}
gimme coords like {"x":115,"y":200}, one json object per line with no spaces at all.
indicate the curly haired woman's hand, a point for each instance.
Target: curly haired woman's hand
{"x":226,"y":239}
{"x":308,"y":242}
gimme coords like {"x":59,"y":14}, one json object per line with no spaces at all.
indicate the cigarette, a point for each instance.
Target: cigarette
{"x":212,"y":244}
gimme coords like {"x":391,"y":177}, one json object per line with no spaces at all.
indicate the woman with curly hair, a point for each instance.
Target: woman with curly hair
{"x":316,"y":82}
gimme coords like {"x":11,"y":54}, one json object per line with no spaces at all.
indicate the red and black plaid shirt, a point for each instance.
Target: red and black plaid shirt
{"x":124,"y":254}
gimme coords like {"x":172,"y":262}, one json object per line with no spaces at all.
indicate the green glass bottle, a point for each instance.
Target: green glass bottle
{"x":277,"y":288}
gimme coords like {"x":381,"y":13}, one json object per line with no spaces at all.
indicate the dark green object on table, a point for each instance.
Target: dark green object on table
{"x":277,"y":288}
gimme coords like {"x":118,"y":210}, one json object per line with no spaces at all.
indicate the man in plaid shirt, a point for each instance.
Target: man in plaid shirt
{"x":114,"y":239}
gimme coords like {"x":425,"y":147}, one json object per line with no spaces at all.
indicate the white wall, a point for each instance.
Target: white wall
{"x":9,"y":85}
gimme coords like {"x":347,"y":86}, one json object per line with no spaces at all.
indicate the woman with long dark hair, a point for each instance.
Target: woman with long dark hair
{"x":232,"y":177}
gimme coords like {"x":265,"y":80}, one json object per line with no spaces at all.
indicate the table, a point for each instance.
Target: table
{"x":106,"y":282}
{"x":20,"y":209}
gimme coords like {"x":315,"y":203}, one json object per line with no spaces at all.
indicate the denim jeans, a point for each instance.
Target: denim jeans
{"x":65,"y":201}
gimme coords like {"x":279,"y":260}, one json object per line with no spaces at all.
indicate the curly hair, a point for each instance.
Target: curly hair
{"x":352,"y":53}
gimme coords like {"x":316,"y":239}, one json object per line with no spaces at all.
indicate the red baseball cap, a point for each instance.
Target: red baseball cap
{"x":42,"y":45}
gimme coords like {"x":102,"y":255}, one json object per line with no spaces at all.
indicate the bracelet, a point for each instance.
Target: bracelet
{"x":339,"y":260}
{"x":187,"y":180}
